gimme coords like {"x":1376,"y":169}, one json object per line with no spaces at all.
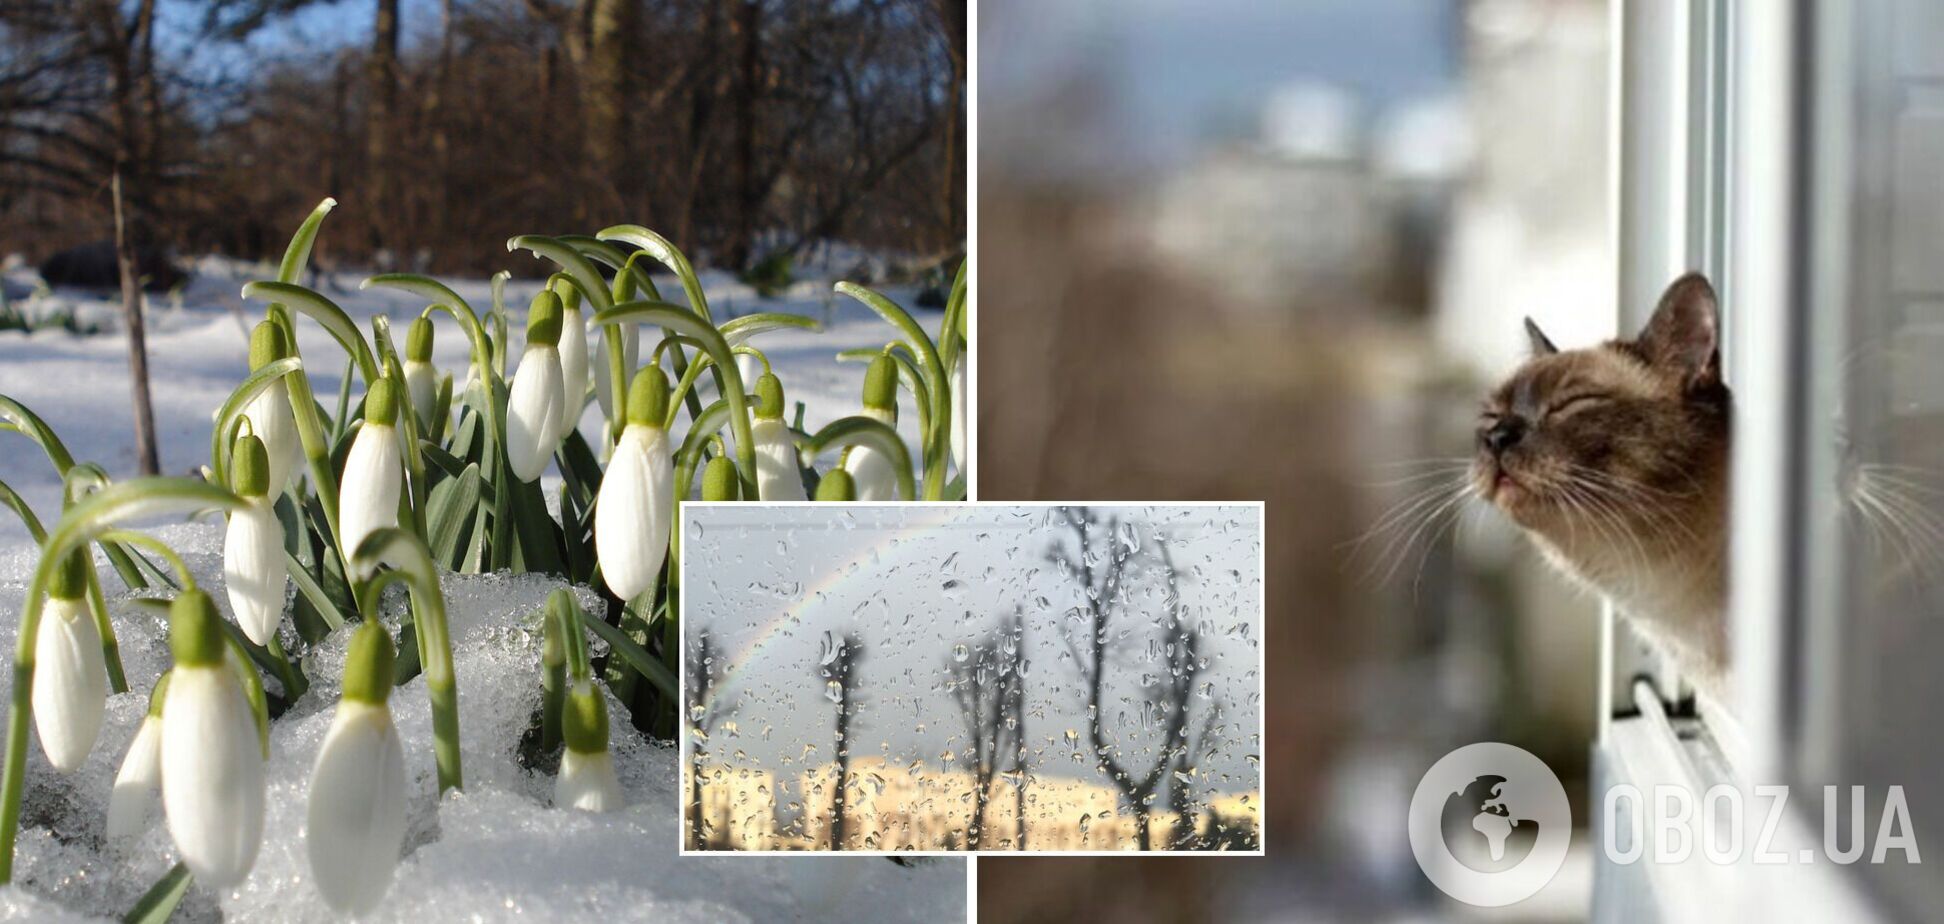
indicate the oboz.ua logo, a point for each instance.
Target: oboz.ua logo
{"x":1489,"y":824}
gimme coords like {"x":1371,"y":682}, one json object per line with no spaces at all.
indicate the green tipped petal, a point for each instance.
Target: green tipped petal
{"x":881,"y":384}
{"x":195,"y":632}
{"x":543,"y":319}
{"x":769,"y":397}
{"x":70,"y":581}
{"x":418,"y":341}
{"x":381,"y":403}
{"x":159,"y":694}
{"x":368,"y":666}
{"x":267,"y":345}
{"x":584,"y":719}
{"x":250,"y":472}
{"x":648,"y":397}
{"x":719,"y":480}
{"x":837,"y":486}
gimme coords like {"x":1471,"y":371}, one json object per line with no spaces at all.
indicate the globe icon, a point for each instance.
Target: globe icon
{"x":1485,"y":829}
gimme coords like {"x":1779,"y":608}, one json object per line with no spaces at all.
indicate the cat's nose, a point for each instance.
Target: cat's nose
{"x":1503,"y":434}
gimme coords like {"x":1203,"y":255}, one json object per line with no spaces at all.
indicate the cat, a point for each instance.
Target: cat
{"x":1613,"y":459}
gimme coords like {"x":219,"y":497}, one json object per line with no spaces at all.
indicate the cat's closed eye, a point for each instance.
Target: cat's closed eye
{"x":1575,"y":402}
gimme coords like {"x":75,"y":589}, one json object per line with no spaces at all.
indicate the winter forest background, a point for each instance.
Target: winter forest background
{"x":744,"y":130}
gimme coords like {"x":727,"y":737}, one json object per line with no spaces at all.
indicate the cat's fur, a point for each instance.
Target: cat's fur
{"x":1614,"y":460}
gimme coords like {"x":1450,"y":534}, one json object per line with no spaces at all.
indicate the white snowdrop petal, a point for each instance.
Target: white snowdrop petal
{"x":356,"y":817}
{"x":137,"y":786}
{"x":70,"y":689}
{"x":272,"y":422}
{"x":212,"y":775}
{"x":533,"y":412}
{"x":875,"y":475}
{"x":254,"y":572}
{"x":373,"y":476}
{"x":422,"y":384}
{"x":958,"y":413}
{"x":777,"y":476}
{"x":631,"y":517}
{"x":573,"y":372}
{"x":588,"y":782}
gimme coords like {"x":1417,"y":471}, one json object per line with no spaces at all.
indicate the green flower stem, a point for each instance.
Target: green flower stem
{"x":488,"y":378}
{"x":686,"y":386}
{"x":937,"y":444}
{"x":908,"y":373}
{"x":25,"y":422}
{"x":689,"y":457}
{"x":566,"y":614}
{"x":656,"y":247}
{"x":682,"y":322}
{"x":326,"y":312}
{"x":222,"y":440}
{"x":553,"y":679}
{"x":408,"y":554}
{"x":141,"y":497}
{"x":952,"y":332}
{"x":853,"y":431}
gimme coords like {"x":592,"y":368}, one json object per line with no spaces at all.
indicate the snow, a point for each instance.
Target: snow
{"x":199,"y":342}
{"x":496,"y":850}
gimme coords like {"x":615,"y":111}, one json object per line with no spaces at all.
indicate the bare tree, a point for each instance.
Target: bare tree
{"x":705,"y":709}
{"x":987,"y":686}
{"x":837,"y":666}
{"x":1107,"y":556}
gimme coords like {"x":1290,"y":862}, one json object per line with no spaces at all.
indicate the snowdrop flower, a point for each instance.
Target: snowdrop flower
{"x":373,"y":472}
{"x":212,"y":760}
{"x":137,"y":786}
{"x":357,"y":814}
{"x":630,"y":354}
{"x":253,"y":550}
{"x":958,"y":413}
{"x":777,"y":475}
{"x":587,"y":781}
{"x":631,"y":514}
{"x":720,"y":481}
{"x":870,"y":468}
{"x":269,"y":412}
{"x":537,"y":403}
{"x":837,"y":486}
{"x":70,"y":689}
{"x":421,"y":377}
{"x":573,"y":363}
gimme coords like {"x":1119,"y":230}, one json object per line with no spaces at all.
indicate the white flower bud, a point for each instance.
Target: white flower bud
{"x":70,"y":690}
{"x":212,"y":759}
{"x":573,"y":369}
{"x":631,"y":518}
{"x":134,"y":799}
{"x":873,"y":471}
{"x":537,"y":402}
{"x":373,"y":473}
{"x":357,"y":813}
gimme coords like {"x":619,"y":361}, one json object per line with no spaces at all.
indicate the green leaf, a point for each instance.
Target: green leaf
{"x":160,"y":901}
{"x":452,"y":507}
{"x":739,"y":330}
{"x":313,"y":593}
{"x":670,"y":256}
{"x":26,"y":514}
{"x":297,"y":256}
{"x":637,"y":657}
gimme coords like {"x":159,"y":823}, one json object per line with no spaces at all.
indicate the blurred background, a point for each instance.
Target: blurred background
{"x":1234,"y":250}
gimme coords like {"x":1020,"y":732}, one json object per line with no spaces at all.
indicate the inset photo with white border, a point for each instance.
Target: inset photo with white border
{"x":987,"y":677}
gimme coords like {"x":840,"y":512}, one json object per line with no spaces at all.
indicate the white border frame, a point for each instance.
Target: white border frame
{"x":1262,"y":692}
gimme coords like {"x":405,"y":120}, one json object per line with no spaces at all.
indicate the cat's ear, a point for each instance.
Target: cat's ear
{"x":1684,"y":335}
{"x":1541,"y":346}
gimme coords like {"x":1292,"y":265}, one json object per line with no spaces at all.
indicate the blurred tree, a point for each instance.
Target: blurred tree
{"x":839,"y":672}
{"x":987,"y":686}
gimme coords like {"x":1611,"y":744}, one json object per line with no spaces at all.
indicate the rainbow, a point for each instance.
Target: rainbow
{"x":889,"y":550}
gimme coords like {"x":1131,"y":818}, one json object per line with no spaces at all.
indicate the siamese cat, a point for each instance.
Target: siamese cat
{"x":1614,"y":460}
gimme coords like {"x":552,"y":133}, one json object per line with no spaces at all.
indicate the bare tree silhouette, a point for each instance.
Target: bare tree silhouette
{"x":837,"y":665}
{"x":987,"y":686}
{"x":1108,"y":556}
{"x":704,"y":710}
